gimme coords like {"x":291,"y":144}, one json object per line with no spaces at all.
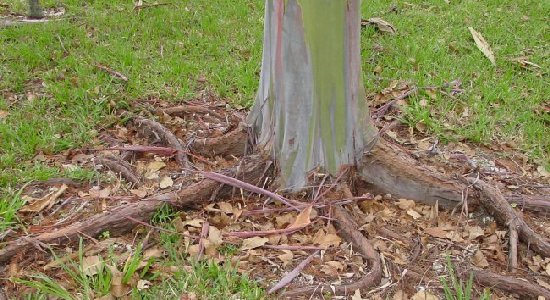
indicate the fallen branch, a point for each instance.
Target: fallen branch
{"x":112,"y":72}
{"x":347,"y":228}
{"x":523,"y":288}
{"x":116,"y":220}
{"x":292,"y":274}
{"x":252,"y":188}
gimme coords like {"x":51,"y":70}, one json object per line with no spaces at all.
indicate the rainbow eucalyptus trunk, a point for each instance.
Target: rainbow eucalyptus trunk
{"x":35,"y":10}
{"x":310,"y":109}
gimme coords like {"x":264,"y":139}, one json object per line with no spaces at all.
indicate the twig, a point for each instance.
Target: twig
{"x":252,"y":188}
{"x":248,"y":234}
{"x":513,"y":252}
{"x":292,"y":247}
{"x":112,"y":72}
{"x":204,"y":234}
{"x":160,"y":228}
{"x":293,"y":274}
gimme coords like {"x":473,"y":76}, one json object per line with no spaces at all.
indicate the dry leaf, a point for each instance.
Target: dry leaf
{"x":143,"y":284}
{"x":438,"y":232}
{"x":141,"y":193}
{"x":303,"y":219}
{"x":326,"y":239}
{"x":226,"y":207}
{"x":91,"y":265}
{"x":286,"y":258}
{"x":479,"y":259}
{"x":253,"y":243}
{"x":400,"y":295}
{"x":483,"y":45}
{"x":547,"y":269}
{"x":3,"y":114}
{"x":414,"y":214}
{"x":153,"y":168}
{"x":45,"y":202}
{"x":332,"y":268}
{"x":382,"y":25}
{"x":405,"y":204}
{"x":357,"y":295}
{"x":166,"y":182}
{"x":475,"y":232}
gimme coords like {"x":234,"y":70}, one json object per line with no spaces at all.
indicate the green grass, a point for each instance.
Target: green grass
{"x":434,"y":46}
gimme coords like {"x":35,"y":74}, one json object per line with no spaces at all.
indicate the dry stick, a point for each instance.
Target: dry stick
{"x":500,"y":209}
{"x":292,"y":247}
{"x":248,"y":234}
{"x":293,"y":274}
{"x":119,"y":166}
{"x":513,"y":255}
{"x":523,"y":288}
{"x":112,"y":72}
{"x":116,"y":220}
{"x":204,"y":234}
{"x":252,"y":188}
{"x":347,"y":229}
{"x":167,"y":137}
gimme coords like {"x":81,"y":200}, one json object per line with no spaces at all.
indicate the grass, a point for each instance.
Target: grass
{"x":457,"y":289}
{"x":56,"y":99}
{"x":434,"y":46}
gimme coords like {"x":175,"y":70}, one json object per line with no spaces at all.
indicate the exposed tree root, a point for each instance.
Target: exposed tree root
{"x":498,"y":207}
{"x":166,"y":136}
{"x":234,"y":143}
{"x":523,"y":288}
{"x":347,"y":228}
{"x":392,"y":171}
{"x":116,"y":220}
{"x":119,"y":166}
{"x":191,"y":109}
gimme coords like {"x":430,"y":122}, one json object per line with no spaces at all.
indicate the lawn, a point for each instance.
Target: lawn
{"x":53,"y":96}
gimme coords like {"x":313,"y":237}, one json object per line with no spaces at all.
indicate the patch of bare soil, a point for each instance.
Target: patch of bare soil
{"x":337,"y":236}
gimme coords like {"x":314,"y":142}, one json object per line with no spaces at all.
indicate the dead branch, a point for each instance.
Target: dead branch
{"x":512,"y":285}
{"x":166,"y":136}
{"x":293,"y":274}
{"x":513,"y":252}
{"x":347,"y":229}
{"x":116,"y":220}
{"x":112,"y":72}
{"x":119,"y":166}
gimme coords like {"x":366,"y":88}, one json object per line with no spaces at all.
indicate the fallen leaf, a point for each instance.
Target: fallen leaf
{"x":3,"y":114}
{"x":380,"y":24}
{"x":332,"y":268}
{"x":141,"y":193}
{"x":253,"y":243}
{"x":482,"y":45}
{"x":438,"y":232}
{"x":474,"y":232}
{"x":91,"y":265}
{"x":405,"y":204}
{"x":143,"y":284}
{"x":400,"y":295}
{"x":479,"y":260}
{"x":166,"y":182}
{"x":45,"y":202}
{"x":357,"y":295}
{"x":215,"y":236}
{"x":326,"y":239}
{"x":197,"y":223}
{"x":547,"y":269}
{"x":414,"y":214}
{"x":226,"y":207}
{"x":153,"y":168}
{"x":286,"y":258}
{"x":303,"y":219}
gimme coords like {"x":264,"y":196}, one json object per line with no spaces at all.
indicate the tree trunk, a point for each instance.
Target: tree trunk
{"x":310,"y":109}
{"x":35,"y":10}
